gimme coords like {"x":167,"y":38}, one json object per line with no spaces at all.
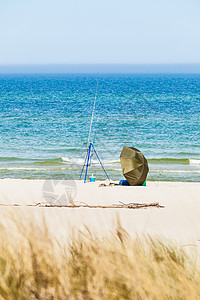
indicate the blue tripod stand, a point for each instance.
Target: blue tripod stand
{"x":88,"y":160}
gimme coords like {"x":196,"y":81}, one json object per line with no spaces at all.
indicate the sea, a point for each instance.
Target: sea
{"x":45,"y":121}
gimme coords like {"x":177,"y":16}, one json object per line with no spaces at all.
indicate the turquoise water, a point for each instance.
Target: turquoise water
{"x":45,"y":119}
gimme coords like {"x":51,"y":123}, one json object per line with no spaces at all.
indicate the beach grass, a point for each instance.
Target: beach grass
{"x":35,"y":265}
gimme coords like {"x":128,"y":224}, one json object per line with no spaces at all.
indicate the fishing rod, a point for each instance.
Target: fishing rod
{"x":95,"y":98}
{"x":90,"y":146}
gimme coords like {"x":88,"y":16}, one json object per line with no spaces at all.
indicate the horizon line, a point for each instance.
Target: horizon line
{"x":100,"y":68}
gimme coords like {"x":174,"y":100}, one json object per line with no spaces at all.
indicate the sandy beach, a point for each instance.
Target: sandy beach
{"x":178,"y":221}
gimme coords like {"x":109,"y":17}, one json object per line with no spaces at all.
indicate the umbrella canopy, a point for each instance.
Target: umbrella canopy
{"x":134,"y":165}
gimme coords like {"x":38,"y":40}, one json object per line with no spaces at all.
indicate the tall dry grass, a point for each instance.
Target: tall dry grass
{"x":33,"y":265}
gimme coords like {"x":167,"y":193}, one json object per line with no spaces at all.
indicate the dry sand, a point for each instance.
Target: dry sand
{"x":178,"y":221}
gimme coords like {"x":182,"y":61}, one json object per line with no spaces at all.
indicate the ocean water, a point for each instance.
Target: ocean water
{"x":45,"y":120}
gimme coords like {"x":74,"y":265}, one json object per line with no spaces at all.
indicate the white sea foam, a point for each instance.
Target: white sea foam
{"x":176,"y":171}
{"x":20,"y":168}
{"x":32,"y":169}
{"x":80,"y":161}
{"x":76,"y":161}
{"x":194,"y":161}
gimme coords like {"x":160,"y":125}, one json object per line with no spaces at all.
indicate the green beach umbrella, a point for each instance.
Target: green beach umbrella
{"x":134,"y":165}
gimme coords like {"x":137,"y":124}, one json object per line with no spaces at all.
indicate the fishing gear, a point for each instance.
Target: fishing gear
{"x":90,"y":147}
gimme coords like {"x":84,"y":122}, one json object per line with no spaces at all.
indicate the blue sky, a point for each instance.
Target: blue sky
{"x":110,"y":32}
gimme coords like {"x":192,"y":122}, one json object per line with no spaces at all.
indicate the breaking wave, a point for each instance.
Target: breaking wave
{"x":80,"y":161}
{"x":176,"y":171}
{"x":178,"y":161}
{"x":62,"y":161}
